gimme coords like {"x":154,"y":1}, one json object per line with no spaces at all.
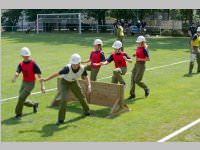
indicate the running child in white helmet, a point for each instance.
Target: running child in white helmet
{"x":96,"y":56}
{"x":29,"y":68}
{"x":142,"y":56}
{"x":120,"y":58}
{"x":70,"y":75}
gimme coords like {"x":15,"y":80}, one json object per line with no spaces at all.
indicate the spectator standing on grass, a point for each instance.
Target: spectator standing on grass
{"x":122,"y":23}
{"x":138,"y":24}
{"x":126,"y":28}
{"x":115,"y":27}
{"x":130,"y":23}
{"x":195,"y":52}
{"x":28,"y":29}
{"x":143,"y":25}
{"x":192,"y":30}
{"x":120,"y":34}
{"x":129,"y":26}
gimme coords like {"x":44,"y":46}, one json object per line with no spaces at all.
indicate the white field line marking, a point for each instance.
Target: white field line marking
{"x":148,"y":69}
{"x":179,"y":131}
{"x":152,"y":68}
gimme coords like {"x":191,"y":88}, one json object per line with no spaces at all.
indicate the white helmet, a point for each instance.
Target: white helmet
{"x":198,"y":29}
{"x":140,"y":39}
{"x":117,"y":45}
{"x":75,"y":59}
{"x":98,"y":41}
{"x":25,"y":52}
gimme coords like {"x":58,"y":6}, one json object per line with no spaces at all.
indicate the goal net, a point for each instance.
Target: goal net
{"x":59,"y":22}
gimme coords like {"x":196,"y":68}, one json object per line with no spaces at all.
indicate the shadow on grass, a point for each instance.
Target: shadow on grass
{"x":13,"y":120}
{"x":86,"y":39}
{"x":49,"y":129}
{"x":76,"y":108}
{"x":61,"y":38}
{"x":132,"y":101}
{"x":190,"y":75}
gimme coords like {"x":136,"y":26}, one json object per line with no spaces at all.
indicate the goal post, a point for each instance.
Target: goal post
{"x":56,"y":22}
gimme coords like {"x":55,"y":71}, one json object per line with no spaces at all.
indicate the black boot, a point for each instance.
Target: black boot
{"x":131,"y":96}
{"x":87,"y":114}
{"x":59,"y":122}
{"x":18,"y":116}
{"x":147,"y":91}
{"x":35,"y":107}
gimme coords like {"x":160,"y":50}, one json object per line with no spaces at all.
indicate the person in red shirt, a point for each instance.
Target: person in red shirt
{"x":120,"y":58}
{"x":96,"y":56}
{"x":142,"y":56}
{"x":29,"y":68}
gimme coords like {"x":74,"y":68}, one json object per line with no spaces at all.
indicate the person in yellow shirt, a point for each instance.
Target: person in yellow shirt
{"x":195,"y":52}
{"x":120,"y":34}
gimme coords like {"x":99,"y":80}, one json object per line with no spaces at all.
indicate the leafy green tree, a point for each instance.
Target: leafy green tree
{"x":11,"y":17}
{"x":98,"y":14}
{"x":187,"y":14}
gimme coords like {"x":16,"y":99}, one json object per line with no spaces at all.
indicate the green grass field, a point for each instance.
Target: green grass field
{"x":173,"y":102}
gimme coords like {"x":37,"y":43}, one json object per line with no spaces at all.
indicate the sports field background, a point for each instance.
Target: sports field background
{"x":173,"y":102}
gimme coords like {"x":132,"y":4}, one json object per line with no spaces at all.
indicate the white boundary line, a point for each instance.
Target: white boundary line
{"x":179,"y":131}
{"x":53,"y":89}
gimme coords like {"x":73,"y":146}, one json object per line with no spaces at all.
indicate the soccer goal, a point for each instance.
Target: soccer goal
{"x":59,"y":22}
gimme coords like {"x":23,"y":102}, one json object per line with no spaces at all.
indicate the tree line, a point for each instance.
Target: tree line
{"x":11,"y":17}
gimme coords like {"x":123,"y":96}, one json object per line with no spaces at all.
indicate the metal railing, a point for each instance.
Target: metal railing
{"x":152,"y":30}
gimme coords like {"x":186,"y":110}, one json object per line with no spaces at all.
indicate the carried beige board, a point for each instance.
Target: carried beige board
{"x":103,"y":94}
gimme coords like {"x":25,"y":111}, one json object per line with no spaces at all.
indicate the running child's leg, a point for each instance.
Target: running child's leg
{"x":62,"y":110}
{"x":192,"y":59}
{"x":94,"y":73}
{"x":24,"y":92}
{"x":198,"y":62}
{"x":117,"y":73}
{"x":132,"y":89}
{"x":139,"y":77}
{"x":76,"y":89}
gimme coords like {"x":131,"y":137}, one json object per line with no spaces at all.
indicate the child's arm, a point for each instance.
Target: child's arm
{"x":42,"y":83}
{"x":15,"y":77}
{"x":86,"y":61}
{"x":146,"y":46}
{"x":134,"y":55}
{"x":101,"y":63}
{"x":51,"y":76}
{"x":88,"y":83}
{"x":145,"y":59}
{"x":105,"y":61}
{"x":128,"y":59}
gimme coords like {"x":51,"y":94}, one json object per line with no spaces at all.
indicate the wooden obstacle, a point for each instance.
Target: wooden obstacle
{"x":103,"y":94}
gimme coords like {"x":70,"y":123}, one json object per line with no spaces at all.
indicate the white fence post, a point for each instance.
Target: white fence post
{"x":97,"y":28}
{"x":80,"y":23}
{"x":37,"y":24}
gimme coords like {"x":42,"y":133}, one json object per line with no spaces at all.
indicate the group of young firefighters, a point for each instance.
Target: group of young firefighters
{"x":76,"y":70}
